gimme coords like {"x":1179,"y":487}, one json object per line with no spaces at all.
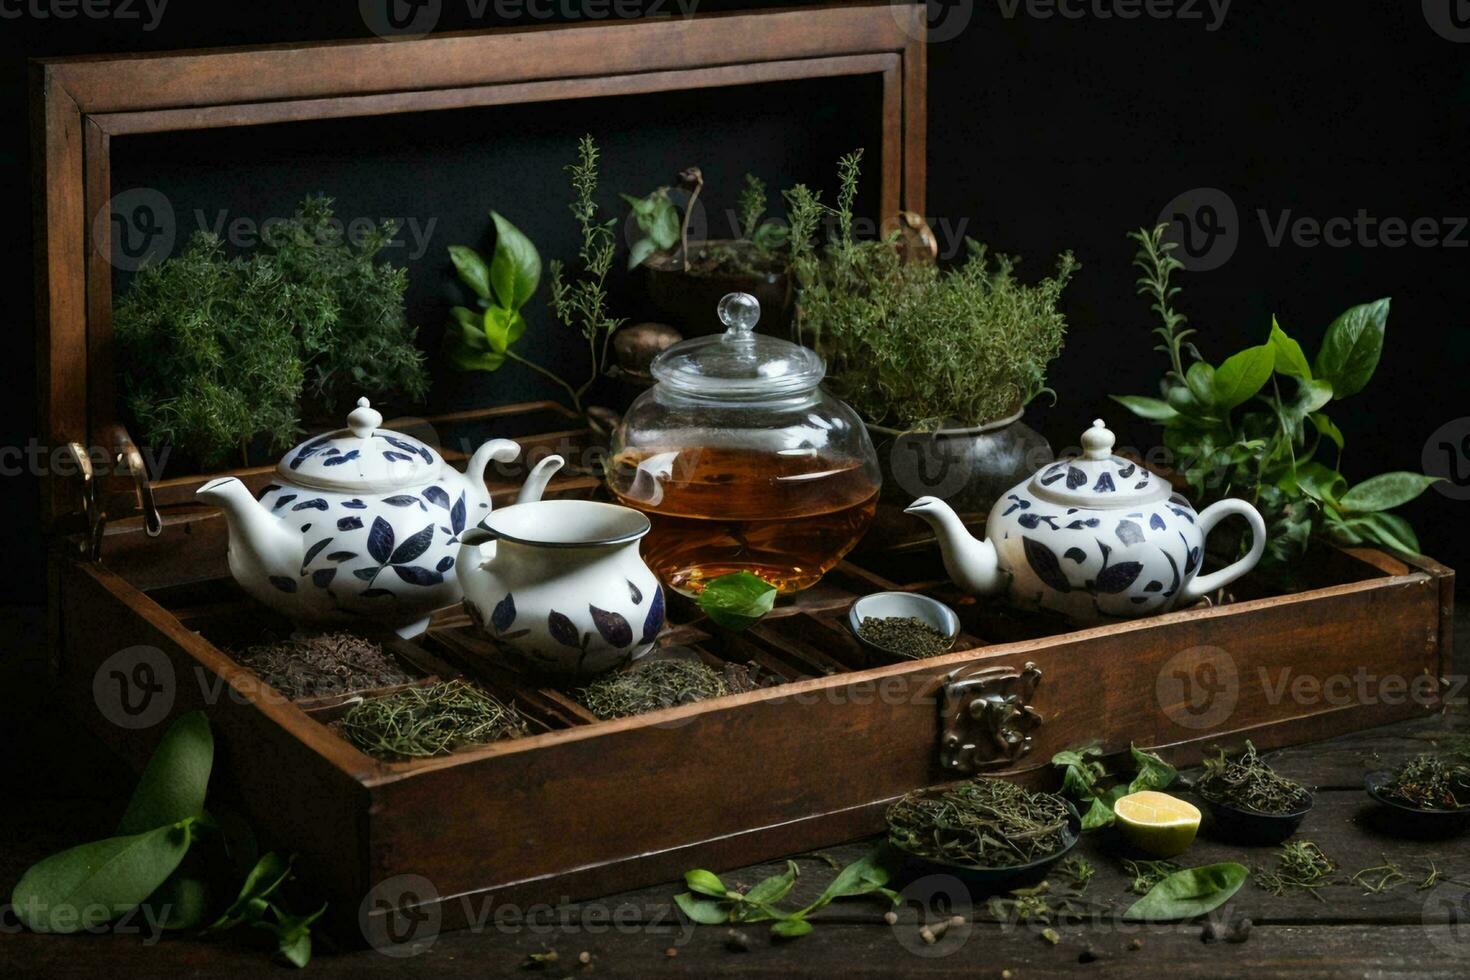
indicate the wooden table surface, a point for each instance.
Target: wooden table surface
{"x":70,"y":791}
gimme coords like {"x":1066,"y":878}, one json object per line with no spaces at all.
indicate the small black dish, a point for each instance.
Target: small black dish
{"x":989,"y":880}
{"x":1251,"y":827}
{"x":1402,"y":820}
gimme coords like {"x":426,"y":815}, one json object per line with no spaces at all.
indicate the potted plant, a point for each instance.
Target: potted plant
{"x":685,"y":279}
{"x":941,"y":364}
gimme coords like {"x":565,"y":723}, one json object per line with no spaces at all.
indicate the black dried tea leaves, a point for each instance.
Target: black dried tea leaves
{"x":1430,"y":783}
{"x":317,"y":665}
{"x":904,"y":636}
{"x":435,"y":719}
{"x":981,"y":823}
{"x":651,"y":687}
{"x":1248,"y":782}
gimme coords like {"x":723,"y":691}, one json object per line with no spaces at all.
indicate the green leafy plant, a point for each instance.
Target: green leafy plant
{"x":657,"y":218}
{"x":1255,"y":424}
{"x":664,"y":232}
{"x":165,"y":844}
{"x":711,"y":902}
{"x":737,"y":601}
{"x":1086,"y":779}
{"x":216,"y":352}
{"x":484,"y":341}
{"x":911,"y":346}
{"x":1189,"y":893}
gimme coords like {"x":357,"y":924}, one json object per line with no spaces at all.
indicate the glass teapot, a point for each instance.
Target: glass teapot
{"x":742,"y":462}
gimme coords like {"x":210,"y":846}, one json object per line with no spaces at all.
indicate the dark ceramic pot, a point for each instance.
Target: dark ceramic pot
{"x":690,"y":301}
{"x":967,"y":468}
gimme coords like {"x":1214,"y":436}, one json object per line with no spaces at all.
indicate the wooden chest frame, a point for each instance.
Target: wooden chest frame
{"x":583,"y":807}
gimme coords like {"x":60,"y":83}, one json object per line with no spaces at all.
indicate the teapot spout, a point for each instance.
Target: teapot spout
{"x":259,"y":540}
{"x":541,"y":475}
{"x":970,"y":562}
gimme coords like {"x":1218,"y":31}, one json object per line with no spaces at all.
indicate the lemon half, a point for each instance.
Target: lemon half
{"x":1157,"y":823}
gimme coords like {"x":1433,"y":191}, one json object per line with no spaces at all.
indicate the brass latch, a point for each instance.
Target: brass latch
{"x":125,"y":459}
{"x":986,"y":717}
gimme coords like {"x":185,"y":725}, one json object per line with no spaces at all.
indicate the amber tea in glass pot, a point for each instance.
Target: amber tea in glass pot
{"x":742,"y":462}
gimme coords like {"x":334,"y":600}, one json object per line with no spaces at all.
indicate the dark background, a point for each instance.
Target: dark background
{"x":1045,"y":133}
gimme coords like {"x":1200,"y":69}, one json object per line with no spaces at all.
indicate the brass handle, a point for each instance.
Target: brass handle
{"x":129,"y":458}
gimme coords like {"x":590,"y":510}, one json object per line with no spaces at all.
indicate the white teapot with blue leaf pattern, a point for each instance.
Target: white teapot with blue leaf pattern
{"x":1091,"y":538}
{"x":363,"y":523}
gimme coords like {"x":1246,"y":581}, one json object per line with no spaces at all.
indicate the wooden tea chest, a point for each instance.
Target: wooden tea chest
{"x":143,"y":610}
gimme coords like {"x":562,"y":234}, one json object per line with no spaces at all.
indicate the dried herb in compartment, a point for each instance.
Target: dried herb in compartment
{"x":651,"y":687}
{"x":323,"y":664}
{"x":435,"y":719}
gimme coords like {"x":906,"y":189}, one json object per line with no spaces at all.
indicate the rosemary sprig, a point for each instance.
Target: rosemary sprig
{"x":982,"y":823}
{"x":1300,"y":866}
{"x":435,"y":719}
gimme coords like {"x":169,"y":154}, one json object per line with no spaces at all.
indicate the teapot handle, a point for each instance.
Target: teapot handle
{"x":1203,"y":585}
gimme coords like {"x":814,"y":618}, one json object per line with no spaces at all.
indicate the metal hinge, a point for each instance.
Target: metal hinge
{"x":986,"y":717}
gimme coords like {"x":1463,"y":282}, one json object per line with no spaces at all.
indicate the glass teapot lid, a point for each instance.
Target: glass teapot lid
{"x":361,"y":458}
{"x":739,"y":363}
{"x":1097,"y":478}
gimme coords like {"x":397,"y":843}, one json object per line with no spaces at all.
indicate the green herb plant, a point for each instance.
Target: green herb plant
{"x":484,"y":341}
{"x":1301,"y":865}
{"x":1087,"y":779}
{"x":1255,"y":425}
{"x":663,"y":232}
{"x":710,"y":901}
{"x":171,"y":855}
{"x":1189,"y":893}
{"x":908,"y":345}
{"x":216,"y":352}
{"x":737,"y":601}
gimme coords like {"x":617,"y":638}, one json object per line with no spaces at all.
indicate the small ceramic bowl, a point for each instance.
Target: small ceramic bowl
{"x":1241,"y":826}
{"x":902,"y":605}
{"x":985,"y":880}
{"x":1408,"y":821}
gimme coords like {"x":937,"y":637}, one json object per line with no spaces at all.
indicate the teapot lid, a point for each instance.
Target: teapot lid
{"x":1097,"y":478}
{"x":361,"y":458}
{"x":739,"y":363}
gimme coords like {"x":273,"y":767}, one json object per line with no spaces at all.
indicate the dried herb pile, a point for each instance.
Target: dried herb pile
{"x":1429,"y":783}
{"x":982,"y":823}
{"x":322,"y":664}
{"x":1248,"y":782}
{"x":904,"y":636}
{"x":651,"y":687}
{"x":435,"y":719}
{"x":1300,"y":866}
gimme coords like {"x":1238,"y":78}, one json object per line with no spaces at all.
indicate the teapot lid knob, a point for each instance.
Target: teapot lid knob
{"x":740,"y":312}
{"x":364,"y":420}
{"x":1097,"y":442}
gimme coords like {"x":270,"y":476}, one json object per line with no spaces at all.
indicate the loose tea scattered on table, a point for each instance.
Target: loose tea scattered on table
{"x":1146,"y":874}
{"x":1300,"y":866}
{"x":981,"y":823}
{"x":435,"y":719}
{"x":1249,"y":783}
{"x":906,"y":636}
{"x":1430,"y":783}
{"x":651,"y":687}
{"x":1380,"y":878}
{"x":323,"y":664}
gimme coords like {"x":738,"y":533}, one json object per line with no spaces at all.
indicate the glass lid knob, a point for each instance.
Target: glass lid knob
{"x":740,"y":312}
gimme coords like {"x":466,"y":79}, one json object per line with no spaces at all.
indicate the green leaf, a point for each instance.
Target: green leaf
{"x":1320,"y":482}
{"x":664,"y":229}
{"x":1388,"y":530}
{"x":1200,"y":378}
{"x":774,"y":888}
{"x":1189,"y":893}
{"x":1290,"y":360}
{"x":737,"y":601}
{"x":1242,"y":375}
{"x":107,"y":878}
{"x":182,"y":902}
{"x":1326,"y":427}
{"x":1310,"y":396}
{"x":472,"y":269}
{"x":1386,"y":491}
{"x":173,"y":784}
{"x":704,"y":911}
{"x":471,"y":360}
{"x":640,"y":250}
{"x":515,"y":268}
{"x":269,"y":873}
{"x":869,"y":873}
{"x":1147,"y":408}
{"x":293,"y":934}
{"x":791,"y":928}
{"x":1153,"y":772}
{"x":706,"y":883}
{"x":1098,"y":815}
{"x":1352,"y":347}
{"x":502,"y":327}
